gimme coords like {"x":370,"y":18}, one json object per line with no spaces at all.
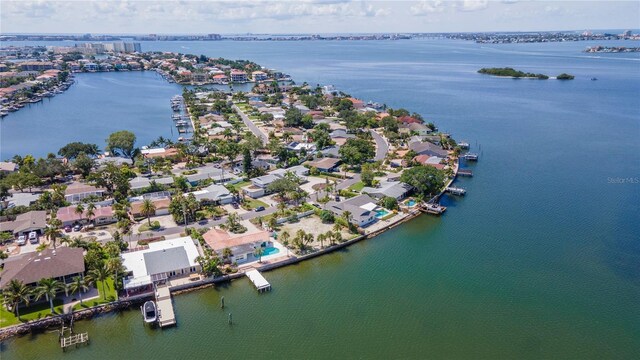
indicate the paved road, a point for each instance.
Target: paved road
{"x":382,"y":148}
{"x":254,"y":129}
{"x":348,"y":182}
{"x":210,"y":223}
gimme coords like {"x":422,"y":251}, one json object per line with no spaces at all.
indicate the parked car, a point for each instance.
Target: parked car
{"x":21,"y":240}
{"x":67,"y":228}
{"x":235,"y":205}
{"x":260,"y":208}
{"x":77,"y":228}
{"x":33,"y":237}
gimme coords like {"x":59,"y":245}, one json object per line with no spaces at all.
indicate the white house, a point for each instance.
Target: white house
{"x":160,"y":261}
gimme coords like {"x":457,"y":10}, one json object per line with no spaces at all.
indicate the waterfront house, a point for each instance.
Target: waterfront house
{"x":420,"y":129}
{"x":158,"y":262}
{"x":259,"y":76}
{"x":213,"y":194}
{"x":158,"y":152}
{"x":360,"y":208}
{"x":76,"y":192}
{"x":427,"y":148}
{"x":220,"y":79}
{"x":242,"y":246}
{"x":102,"y":215}
{"x":91,"y":67}
{"x":409,"y":120}
{"x":325,"y":164}
{"x":238,"y":76}
{"x":397,"y":190}
{"x":26,"y":223}
{"x":62,"y":264}
{"x":357,"y":103}
{"x":429,"y":160}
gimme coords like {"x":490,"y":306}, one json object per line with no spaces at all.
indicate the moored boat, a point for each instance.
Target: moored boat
{"x":149,"y":312}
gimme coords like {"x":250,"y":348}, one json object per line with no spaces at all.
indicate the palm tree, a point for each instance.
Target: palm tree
{"x":321,"y":238}
{"x":148,"y":209}
{"x":347,"y":217}
{"x":100,"y":274}
{"x":78,"y":285}
{"x":52,"y":233}
{"x":284,"y":236}
{"x":258,"y":252}
{"x":14,"y":293}
{"x":79,"y":210}
{"x":49,"y":288}
{"x":90,"y":211}
{"x":337,"y":235}
{"x":76,"y":242}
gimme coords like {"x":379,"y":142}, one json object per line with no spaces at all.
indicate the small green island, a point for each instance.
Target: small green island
{"x":513,"y":73}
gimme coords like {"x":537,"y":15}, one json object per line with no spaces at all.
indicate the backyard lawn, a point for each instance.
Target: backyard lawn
{"x":251,"y":204}
{"x":42,"y":310}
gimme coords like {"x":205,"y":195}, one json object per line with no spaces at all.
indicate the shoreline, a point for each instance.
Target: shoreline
{"x":40,"y":325}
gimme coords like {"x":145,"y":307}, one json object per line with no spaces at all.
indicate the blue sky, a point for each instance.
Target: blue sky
{"x":312,"y":16}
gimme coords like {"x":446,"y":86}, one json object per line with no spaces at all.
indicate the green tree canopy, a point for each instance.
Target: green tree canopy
{"x":426,"y":180}
{"x":357,"y":151}
{"x":123,"y":143}
{"x":74,"y":149}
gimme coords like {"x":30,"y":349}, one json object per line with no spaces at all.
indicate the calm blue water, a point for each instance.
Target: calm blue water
{"x":541,"y":258}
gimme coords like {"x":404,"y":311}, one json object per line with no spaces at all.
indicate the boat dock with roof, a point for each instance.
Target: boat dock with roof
{"x":258,"y":280}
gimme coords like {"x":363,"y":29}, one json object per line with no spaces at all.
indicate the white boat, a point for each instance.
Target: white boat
{"x":149,"y":312}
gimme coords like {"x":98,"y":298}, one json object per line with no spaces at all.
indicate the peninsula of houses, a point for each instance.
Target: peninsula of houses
{"x":265,"y":179}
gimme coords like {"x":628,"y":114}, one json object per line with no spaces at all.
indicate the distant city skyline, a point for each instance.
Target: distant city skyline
{"x":312,"y":16}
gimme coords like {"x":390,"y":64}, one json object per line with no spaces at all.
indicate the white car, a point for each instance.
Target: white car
{"x":33,"y":237}
{"x":21,"y":240}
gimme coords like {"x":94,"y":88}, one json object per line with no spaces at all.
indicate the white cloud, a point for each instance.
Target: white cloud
{"x":472,"y":5}
{"x":427,"y":7}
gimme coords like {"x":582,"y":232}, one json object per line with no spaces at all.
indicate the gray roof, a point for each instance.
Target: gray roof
{"x":166,"y":260}
{"x":143,"y":182}
{"x":393,"y":189}
{"x":32,"y":220}
{"x":46,"y":264}
{"x":427,"y":148}
{"x":297,"y":170}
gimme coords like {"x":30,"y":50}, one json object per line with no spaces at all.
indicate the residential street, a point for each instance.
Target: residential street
{"x":254,"y":129}
{"x":382,"y":148}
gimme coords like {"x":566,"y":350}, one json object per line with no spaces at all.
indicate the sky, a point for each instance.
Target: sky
{"x":311,"y":16}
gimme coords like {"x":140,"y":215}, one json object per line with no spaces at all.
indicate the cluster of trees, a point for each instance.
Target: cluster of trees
{"x":293,"y":117}
{"x":356,"y":151}
{"x":511,"y":72}
{"x":426,"y":180}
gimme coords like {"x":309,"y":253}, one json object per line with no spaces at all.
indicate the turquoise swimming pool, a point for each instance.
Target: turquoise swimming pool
{"x":270,"y":251}
{"x":410,"y":203}
{"x":381,"y":213}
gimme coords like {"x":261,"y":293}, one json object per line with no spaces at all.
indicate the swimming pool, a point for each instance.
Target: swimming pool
{"x":270,"y":251}
{"x":381,"y":213}
{"x":410,"y":203}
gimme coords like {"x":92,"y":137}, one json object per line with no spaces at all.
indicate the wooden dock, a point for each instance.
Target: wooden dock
{"x":258,"y":280}
{"x":74,"y":340}
{"x":166,"y":315}
{"x":465,"y":172}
